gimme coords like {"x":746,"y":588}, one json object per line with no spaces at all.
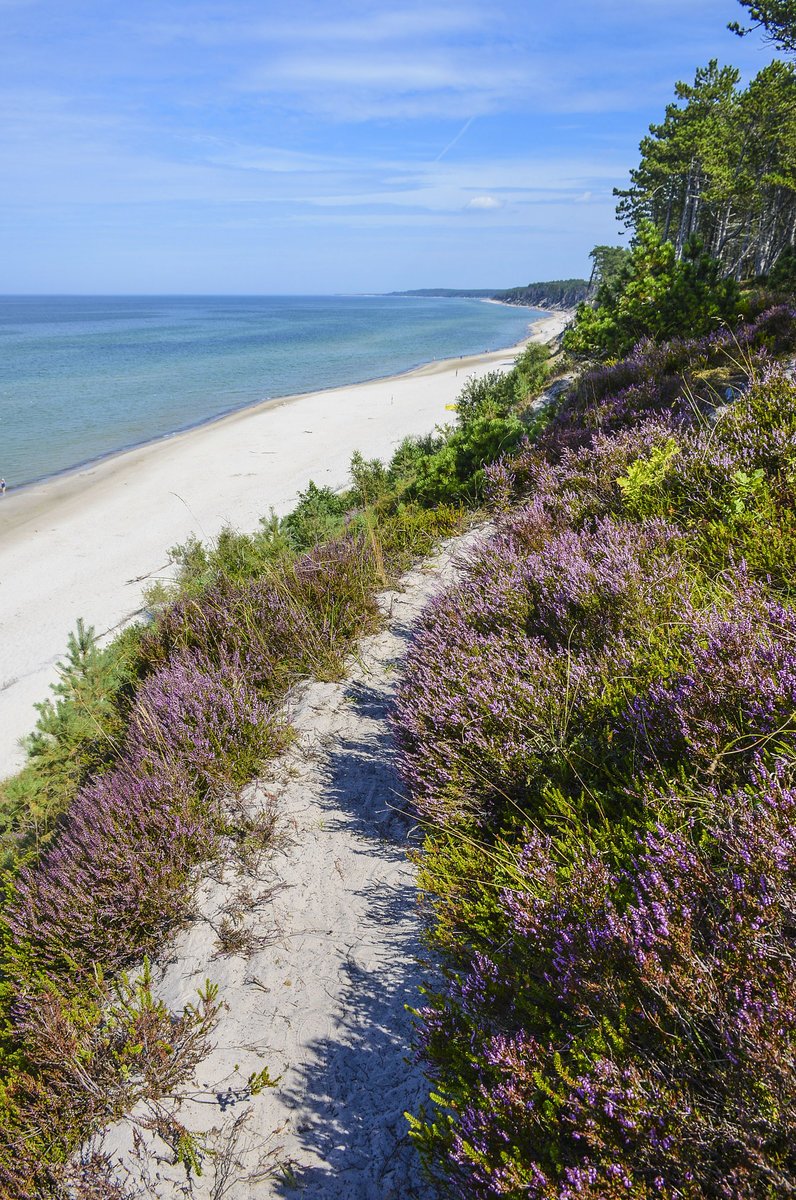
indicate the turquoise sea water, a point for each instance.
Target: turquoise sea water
{"x":82,"y":377}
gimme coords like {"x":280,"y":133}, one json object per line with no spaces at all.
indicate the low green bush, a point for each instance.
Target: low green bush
{"x":78,"y":734}
{"x":490,"y":396}
{"x":531,"y":371}
{"x":317,"y":517}
{"x":455,"y":473}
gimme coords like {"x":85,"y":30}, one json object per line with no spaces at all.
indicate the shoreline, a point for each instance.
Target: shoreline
{"x":251,"y":405}
{"x":82,"y":543}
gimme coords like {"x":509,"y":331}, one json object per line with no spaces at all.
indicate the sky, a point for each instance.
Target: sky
{"x":233,"y":147}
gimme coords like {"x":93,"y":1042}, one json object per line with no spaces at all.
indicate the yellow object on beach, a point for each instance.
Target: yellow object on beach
{"x":451,"y":407}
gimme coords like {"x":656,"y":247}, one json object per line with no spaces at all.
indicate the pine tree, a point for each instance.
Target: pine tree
{"x":777,"y":18}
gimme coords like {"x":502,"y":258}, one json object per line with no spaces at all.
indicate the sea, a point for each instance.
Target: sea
{"x":82,"y":377}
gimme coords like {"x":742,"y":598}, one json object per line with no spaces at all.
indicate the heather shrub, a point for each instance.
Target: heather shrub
{"x":500,"y":483}
{"x":630,"y":1030}
{"x":730,"y":485}
{"x":649,"y":361}
{"x":621,"y":1016}
{"x":731,"y":513}
{"x":582,"y":483}
{"x":208,"y":717}
{"x":759,"y":429}
{"x":774,"y":328}
{"x":681,"y":376}
{"x":85,"y":1061}
{"x":597,"y":731}
{"x":115,"y":878}
{"x":517,"y":672}
{"x":236,"y":629}
{"x":297,"y":617}
{"x":732,"y":696}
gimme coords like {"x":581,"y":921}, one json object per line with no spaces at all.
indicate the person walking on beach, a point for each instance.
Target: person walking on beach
{"x":2,"y":487}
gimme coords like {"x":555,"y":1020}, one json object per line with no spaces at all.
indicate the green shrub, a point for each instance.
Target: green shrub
{"x":232,"y":556}
{"x":318,"y":515}
{"x":77,"y":733}
{"x":640,"y":487}
{"x":531,"y":370}
{"x":495,"y":394}
{"x":654,"y":295}
{"x":488,"y":397}
{"x":371,"y":481}
{"x":456,"y":471}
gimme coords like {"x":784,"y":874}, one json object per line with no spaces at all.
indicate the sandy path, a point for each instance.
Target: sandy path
{"x":319,"y":995}
{"x":81,"y":545}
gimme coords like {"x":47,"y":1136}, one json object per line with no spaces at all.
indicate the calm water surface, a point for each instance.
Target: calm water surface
{"x":81,"y":377}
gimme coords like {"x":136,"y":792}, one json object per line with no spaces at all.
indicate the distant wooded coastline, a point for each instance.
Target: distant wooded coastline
{"x":553,"y":294}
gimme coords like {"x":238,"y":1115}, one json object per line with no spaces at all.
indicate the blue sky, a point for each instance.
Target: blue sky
{"x":300,"y":146}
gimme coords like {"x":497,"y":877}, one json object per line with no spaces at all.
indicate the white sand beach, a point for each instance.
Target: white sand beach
{"x":84,"y":544}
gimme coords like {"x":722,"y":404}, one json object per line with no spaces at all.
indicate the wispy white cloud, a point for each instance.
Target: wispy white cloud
{"x":92,"y":165}
{"x":426,"y":119}
{"x":390,"y":25}
{"x":452,"y":82}
{"x":483,"y":202}
{"x":356,"y":87}
{"x":396,"y":24}
{"x":389,"y":72}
